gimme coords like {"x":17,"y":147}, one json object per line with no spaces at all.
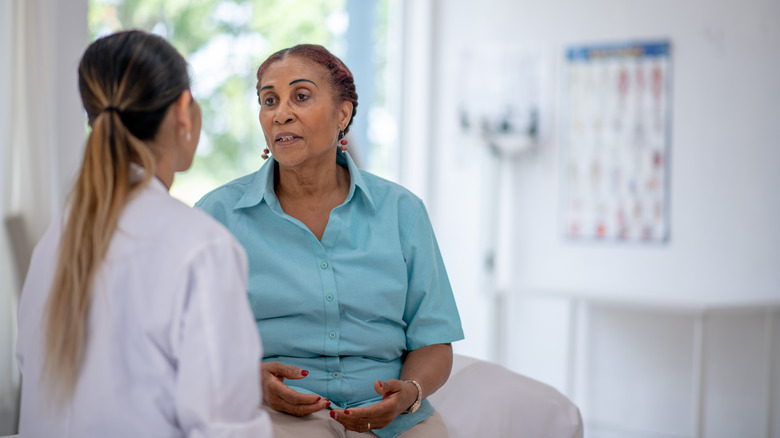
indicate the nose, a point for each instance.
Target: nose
{"x":283,"y":114}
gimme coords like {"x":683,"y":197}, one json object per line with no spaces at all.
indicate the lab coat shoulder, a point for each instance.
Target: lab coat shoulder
{"x":173,"y":228}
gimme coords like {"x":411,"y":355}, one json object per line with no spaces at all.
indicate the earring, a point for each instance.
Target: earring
{"x":343,"y":141}
{"x":265,"y":153}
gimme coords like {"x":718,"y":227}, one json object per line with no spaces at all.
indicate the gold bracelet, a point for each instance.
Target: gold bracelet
{"x":416,"y":405}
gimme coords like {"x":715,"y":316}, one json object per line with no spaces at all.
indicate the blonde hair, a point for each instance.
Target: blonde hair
{"x":127,"y":82}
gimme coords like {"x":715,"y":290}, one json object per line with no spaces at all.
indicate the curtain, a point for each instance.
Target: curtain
{"x":41,"y":140}
{"x":9,"y":380}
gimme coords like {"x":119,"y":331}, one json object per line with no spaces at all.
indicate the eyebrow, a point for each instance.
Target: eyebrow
{"x":304,"y":80}
{"x":293,"y":82}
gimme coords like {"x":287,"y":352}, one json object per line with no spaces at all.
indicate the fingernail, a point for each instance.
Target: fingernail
{"x":346,"y":412}
{"x":333,"y":414}
{"x":304,"y":373}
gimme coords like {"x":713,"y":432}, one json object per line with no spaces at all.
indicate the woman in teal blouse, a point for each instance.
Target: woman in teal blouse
{"x":347,"y":283}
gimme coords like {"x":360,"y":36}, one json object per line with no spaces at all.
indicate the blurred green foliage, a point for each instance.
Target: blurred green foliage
{"x":225,"y":41}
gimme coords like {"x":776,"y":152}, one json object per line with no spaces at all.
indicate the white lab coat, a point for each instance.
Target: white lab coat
{"x":172,"y":346}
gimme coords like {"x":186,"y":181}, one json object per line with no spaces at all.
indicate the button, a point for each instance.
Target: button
{"x":324,"y":265}
{"x":336,"y":375}
{"x":329,"y":297}
{"x":332,"y":335}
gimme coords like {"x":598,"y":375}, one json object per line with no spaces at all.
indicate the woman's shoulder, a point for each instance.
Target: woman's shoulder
{"x":227,"y":195}
{"x":390,"y":194}
{"x":173,"y":220}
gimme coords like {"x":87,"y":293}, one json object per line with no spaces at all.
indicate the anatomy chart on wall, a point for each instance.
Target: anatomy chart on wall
{"x":616,"y":142}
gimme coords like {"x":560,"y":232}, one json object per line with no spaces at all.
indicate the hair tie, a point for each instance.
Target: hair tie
{"x":112,"y":108}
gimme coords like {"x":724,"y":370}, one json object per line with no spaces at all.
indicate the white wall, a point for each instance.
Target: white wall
{"x":725,"y":106}
{"x":724,"y":204}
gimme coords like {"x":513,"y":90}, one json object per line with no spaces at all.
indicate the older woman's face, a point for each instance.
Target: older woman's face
{"x":299,"y":115}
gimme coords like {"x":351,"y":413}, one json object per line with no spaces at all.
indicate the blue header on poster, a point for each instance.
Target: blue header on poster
{"x":625,"y":50}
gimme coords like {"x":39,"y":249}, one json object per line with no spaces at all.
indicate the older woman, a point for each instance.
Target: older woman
{"x":347,"y":283}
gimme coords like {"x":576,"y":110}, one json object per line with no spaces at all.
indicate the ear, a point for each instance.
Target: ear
{"x":345,"y":112}
{"x":181,"y":109}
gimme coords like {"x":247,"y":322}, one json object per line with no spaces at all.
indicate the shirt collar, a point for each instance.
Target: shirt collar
{"x":262,"y":187}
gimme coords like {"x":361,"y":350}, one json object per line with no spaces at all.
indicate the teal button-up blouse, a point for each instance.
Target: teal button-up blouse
{"x":348,"y":307}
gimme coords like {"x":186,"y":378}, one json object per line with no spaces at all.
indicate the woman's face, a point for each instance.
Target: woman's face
{"x":298,"y":113}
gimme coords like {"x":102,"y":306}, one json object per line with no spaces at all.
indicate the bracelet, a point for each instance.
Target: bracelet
{"x":416,"y":405}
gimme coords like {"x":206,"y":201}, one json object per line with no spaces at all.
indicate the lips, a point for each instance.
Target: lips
{"x":285,"y":137}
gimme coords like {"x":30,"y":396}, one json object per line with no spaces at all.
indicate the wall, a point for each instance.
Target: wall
{"x":724,"y":245}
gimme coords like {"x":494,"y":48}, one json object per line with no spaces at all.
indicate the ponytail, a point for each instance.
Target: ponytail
{"x":104,"y":182}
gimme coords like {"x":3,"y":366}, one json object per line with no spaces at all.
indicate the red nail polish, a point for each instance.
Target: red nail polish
{"x":346,"y":412}
{"x":333,"y":414}
{"x":318,"y":399}
{"x":327,"y":406}
{"x":304,"y":373}
{"x":380,"y":385}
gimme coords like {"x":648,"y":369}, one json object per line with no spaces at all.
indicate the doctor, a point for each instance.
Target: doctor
{"x":133,"y":320}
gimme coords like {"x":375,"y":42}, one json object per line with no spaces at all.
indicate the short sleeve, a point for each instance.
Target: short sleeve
{"x":218,"y":392}
{"x":431,"y":314}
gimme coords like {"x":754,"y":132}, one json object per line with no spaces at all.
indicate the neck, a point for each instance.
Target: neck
{"x":165,"y":168}
{"x":165,"y":175}
{"x":311,"y":181}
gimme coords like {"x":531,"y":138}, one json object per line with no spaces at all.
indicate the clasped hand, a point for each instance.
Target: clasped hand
{"x":397,"y":396}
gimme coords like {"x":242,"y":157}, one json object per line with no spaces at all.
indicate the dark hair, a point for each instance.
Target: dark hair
{"x":127,"y":82}
{"x":137,"y":73}
{"x":340,"y":77}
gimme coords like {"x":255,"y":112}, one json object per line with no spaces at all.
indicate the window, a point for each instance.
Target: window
{"x":225,"y":40}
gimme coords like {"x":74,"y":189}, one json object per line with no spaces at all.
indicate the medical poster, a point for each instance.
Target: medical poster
{"x":616,"y":142}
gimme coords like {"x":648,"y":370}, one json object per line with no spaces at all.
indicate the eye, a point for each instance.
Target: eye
{"x":267,"y":101}
{"x":301,"y":96}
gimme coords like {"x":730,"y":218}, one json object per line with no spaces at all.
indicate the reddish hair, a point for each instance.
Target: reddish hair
{"x":340,"y":77}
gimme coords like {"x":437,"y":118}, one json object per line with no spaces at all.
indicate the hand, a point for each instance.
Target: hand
{"x":281,"y":397}
{"x":397,"y":396}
